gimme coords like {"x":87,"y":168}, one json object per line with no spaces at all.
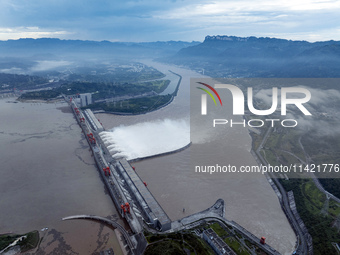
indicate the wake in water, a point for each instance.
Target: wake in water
{"x":147,"y":138}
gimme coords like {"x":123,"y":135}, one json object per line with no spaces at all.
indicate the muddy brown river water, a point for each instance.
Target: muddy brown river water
{"x":250,"y":201}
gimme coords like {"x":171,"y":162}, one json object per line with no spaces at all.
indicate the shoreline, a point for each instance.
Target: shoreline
{"x":173,"y":95}
{"x":49,"y":101}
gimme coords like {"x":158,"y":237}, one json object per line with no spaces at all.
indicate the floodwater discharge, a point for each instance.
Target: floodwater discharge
{"x":47,"y":173}
{"x":130,"y":144}
{"x":251,"y":202}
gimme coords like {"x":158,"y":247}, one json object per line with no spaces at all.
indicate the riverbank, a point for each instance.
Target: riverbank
{"x":41,"y":101}
{"x":24,"y":243}
{"x":137,"y":104}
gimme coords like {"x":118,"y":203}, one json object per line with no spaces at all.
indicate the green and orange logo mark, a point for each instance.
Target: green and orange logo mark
{"x":209,"y":93}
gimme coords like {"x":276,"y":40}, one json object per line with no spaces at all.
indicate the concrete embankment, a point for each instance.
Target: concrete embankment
{"x":161,"y":154}
{"x":173,"y":95}
{"x":304,"y":242}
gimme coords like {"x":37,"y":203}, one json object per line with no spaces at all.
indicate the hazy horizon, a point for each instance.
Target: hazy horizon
{"x":150,"y":20}
{"x":136,"y":42}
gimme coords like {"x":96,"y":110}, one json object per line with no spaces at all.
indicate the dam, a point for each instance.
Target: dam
{"x":135,"y":203}
{"x":129,"y":193}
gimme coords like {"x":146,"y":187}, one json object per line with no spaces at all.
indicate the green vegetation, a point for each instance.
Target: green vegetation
{"x":256,"y":140}
{"x":218,"y":229}
{"x":320,"y":215}
{"x":310,"y":203}
{"x":187,"y":241}
{"x":104,"y":81}
{"x":282,"y":147}
{"x":104,"y":91}
{"x":165,"y":247}
{"x":130,"y":73}
{"x":30,"y":242}
{"x":176,"y":243}
{"x":270,"y":156}
{"x":158,"y":85}
{"x":324,"y":150}
{"x":6,"y":240}
{"x":235,"y":240}
{"x":334,"y":208}
{"x":40,"y":95}
{"x":99,"y":90}
{"x":331,"y":185}
{"x":312,"y":193}
{"x":133,"y":106}
{"x":137,"y":82}
{"x":11,"y":81}
{"x":236,"y":246}
{"x":200,"y":246}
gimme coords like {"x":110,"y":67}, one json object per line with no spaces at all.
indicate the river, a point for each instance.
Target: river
{"x":47,"y":173}
{"x":250,"y":201}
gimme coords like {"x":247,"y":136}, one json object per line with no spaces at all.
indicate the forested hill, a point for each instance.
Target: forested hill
{"x":230,"y":56}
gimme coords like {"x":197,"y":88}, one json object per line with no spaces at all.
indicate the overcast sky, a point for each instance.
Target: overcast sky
{"x":164,"y":20}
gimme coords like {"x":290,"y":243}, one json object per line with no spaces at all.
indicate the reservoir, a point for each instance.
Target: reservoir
{"x":250,"y":201}
{"x":47,"y":173}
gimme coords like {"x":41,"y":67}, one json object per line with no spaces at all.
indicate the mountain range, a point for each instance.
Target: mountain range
{"x":78,"y":48}
{"x":230,"y":56}
{"x":216,"y":56}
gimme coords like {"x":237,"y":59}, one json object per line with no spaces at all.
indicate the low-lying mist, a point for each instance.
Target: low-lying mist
{"x":323,"y":105}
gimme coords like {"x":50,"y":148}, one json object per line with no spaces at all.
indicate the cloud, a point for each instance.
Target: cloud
{"x":48,"y":65}
{"x":246,"y":7}
{"x":28,"y":32}
{"x":322,"y":97}
{"x":13,"y":70}
{"x":324,"y":105}
{"x":303,"y":20}
{"x":151,"y":20}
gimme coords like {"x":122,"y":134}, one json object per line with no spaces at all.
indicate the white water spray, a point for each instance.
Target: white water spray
{"x":147,"y":138}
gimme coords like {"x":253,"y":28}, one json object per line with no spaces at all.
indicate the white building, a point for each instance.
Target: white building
{"x":85,"y":99}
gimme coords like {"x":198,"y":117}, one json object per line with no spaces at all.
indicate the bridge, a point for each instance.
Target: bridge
{"x":110,"y":223}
